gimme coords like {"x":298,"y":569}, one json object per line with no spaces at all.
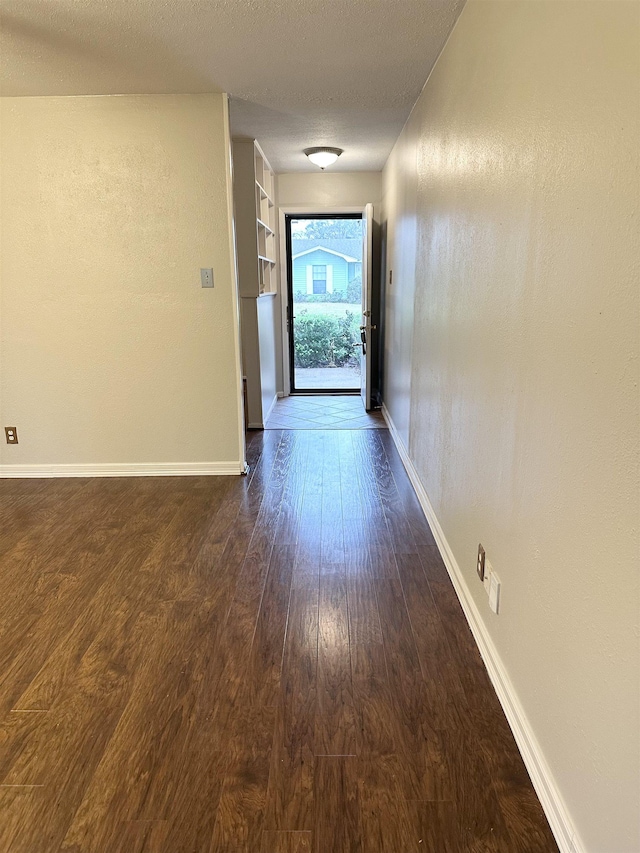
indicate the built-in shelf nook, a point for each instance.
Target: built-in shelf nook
{"x":256,"y":244}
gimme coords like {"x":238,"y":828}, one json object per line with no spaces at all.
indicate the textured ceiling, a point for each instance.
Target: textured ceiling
{"x":299,"y":72}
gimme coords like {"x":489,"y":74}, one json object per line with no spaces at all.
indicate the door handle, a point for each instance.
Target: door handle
{"x":363,"y":336}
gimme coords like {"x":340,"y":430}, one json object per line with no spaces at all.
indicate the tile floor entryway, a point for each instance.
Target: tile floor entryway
{"x":323,"y":412}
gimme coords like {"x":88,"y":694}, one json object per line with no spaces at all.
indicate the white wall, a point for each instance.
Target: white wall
{"x":511,"y":201}
{"x":112,"y":353}
{"x":268,"y":329}
{"x":260,"y":331}
{"x":342,"y":189}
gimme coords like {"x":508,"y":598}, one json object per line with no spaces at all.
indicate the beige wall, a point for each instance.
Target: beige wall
{"x":342,"y":189}
{"x":512,"y":341}
{"x":111,"y":350}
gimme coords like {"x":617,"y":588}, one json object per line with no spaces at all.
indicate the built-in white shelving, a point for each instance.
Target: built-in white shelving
{"x":256,"y":247}
{"x":255,"y":187}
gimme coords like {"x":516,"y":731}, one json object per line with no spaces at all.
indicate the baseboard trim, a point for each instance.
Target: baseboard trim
{"x":535,"y":762}
{"x":161,"y":469}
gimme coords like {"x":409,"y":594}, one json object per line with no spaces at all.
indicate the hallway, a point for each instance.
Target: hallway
{"x":269,"y":664}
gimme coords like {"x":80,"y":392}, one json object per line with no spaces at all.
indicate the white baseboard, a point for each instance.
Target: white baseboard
{"x":162,"y":469}
{"x":535,"y":762}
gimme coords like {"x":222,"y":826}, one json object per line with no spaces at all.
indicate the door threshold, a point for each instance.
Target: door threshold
{"x":326,"y":392}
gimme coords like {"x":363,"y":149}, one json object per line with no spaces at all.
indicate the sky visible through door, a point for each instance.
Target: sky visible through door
{"x":326,"y":299}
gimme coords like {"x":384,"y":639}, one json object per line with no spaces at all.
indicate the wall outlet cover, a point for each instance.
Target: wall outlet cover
{"x":480,"y":565}
{"x":11,"y":435}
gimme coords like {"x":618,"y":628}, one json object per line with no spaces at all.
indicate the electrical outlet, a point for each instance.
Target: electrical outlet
{"x":480,"y":562}
{"x":11,"y":434}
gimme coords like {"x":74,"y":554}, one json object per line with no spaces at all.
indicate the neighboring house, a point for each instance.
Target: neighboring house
{"x":325,"y":265}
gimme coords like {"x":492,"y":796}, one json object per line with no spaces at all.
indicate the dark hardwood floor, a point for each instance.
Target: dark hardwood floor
{"x":269,"y":664}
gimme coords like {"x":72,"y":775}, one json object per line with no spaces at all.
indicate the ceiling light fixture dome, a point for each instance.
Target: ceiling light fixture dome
{"x":322,"y":155}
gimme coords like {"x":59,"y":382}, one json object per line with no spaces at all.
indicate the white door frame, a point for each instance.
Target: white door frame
{"x":302,"y":210}
{"x":366,"y":391}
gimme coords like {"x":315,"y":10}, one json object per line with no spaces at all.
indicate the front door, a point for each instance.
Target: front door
{"x":325,"y":291}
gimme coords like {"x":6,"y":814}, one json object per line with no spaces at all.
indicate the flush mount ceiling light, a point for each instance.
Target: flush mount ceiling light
{"x":323,"y":156}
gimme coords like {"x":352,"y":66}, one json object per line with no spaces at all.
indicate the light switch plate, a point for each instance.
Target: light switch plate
{"x":206,"y":277}
{"x":486,"y":580}
{"x":494,"y":592}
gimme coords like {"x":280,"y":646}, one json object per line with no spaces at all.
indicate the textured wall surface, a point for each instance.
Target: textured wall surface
{"x":111,"y":351}
{"x":512,"y":348}
{"x":342,"y":189}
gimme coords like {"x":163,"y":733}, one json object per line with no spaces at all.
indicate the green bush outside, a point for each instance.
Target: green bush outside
{"x":322,"y":340}
{"x":354,"y":290}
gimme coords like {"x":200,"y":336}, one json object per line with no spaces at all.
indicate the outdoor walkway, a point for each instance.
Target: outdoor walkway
{"x":323,"y":412}
{"x":328,"y":378}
